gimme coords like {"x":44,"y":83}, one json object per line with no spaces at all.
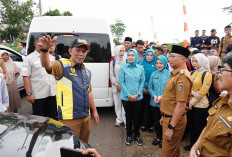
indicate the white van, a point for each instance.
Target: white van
{"x":96,"y":32}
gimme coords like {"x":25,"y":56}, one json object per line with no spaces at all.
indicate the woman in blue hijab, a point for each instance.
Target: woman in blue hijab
{"x":131,"y":80}
{"x":156,"y":86}
{"x":148,"y":64}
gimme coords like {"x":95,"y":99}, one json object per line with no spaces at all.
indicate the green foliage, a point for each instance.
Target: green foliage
{"x":117,"y":30}
{"x":22,"y":36}
{"x":16,"y":14}
{"x":14,"y":46}
{"x":67,"y":13}
{"x":56,"y":12}
{"x":228,"y":9}
{"x":9,"y":33}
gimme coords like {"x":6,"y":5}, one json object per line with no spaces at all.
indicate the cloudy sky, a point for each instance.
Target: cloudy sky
{"x":136,"y":14}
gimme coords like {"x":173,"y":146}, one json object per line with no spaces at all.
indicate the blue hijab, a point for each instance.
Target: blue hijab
{"x":136,"y":58}
{"x":164,"y":61}
{"x":149,"y":67}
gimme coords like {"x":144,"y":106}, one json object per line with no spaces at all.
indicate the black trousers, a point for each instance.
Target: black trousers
{"x":45,"y":107}
{"x":157,"y":116}
{"x":147,"y":121}
{"x":133,"y":116}
{"x":197,"y":122}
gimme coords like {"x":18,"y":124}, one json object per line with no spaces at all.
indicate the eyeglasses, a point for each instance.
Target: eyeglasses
{"x":223,"y":69}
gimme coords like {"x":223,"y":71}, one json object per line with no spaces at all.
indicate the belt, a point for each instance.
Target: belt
{"x":170,"y":116}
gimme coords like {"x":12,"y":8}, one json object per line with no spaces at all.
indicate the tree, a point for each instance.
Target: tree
{"x":56,"y":12}
{"x":117,"y":30}
{"x":67,"y":13}
{"x":17,"y":14}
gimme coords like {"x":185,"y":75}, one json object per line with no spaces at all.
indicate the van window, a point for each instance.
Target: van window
{"x":100,"y":49}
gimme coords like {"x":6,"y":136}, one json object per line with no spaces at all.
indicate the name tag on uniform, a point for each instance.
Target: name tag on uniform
{"x":156,"y":77}
{"x":73,"y":72}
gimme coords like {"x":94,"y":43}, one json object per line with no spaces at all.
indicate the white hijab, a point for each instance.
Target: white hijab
{"x":202,"y":61}
{"x":116,"y":53}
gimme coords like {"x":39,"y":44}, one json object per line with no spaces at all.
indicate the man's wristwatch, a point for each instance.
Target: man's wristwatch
{"x":43,"y":50}
{"x":28,"y":94}
{"x":171,"y":127}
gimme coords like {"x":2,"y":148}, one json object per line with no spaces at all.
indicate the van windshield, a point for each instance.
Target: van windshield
{"x":100,"y":49}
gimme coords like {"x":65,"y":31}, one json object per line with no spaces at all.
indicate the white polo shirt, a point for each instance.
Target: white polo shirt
{"x":42,"y":84}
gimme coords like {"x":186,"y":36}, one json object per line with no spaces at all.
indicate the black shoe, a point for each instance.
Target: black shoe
{"x":188,"y":147}
{"x":156,"y":141}
{"x":160,"y":144}
{"x":139,"y":141}
{"x":150,"y":130}
{"x":143,"y":129}
{"x":128,"y":140}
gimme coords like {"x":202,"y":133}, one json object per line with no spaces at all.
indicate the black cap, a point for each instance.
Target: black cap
{"x":128,"y":39}
{"x":160,"y":49}
{"x":79,"y":42}
{"x":180,"y":50}
{"x":213,"y":30}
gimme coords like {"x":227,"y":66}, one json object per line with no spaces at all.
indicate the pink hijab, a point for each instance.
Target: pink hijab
{"x":12,"y":70}
{"x":214,"y":62}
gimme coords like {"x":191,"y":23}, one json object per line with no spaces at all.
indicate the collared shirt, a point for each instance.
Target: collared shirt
{"x":177,"y":88}
{"x":42,"y":84}
{"x":225,"y":41}
{"x":217,"y":138}
{"x":131,"y":80}
{"x":140,"y":57}
{"x":156,"y":85}
{"x":4,"y":99}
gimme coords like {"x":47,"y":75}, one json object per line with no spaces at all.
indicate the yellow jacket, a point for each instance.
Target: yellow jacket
{"x":203,"y":89}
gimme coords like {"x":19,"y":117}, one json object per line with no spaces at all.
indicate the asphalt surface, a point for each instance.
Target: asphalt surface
{"x":109,"y":140}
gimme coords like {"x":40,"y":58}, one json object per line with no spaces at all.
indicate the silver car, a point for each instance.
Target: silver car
{"x":18,"y":59}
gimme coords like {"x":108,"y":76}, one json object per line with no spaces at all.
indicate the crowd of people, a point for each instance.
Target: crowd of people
{"x":174,"y":92}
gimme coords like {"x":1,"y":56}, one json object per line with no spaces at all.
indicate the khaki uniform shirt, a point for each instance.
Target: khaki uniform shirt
{"x":178,"y":88}
{"x":227,"y":40}
{"x":43,"y":84}
{"x":217,"y":139}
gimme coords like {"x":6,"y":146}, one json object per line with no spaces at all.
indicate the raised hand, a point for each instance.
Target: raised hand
{"x":47,"y":42}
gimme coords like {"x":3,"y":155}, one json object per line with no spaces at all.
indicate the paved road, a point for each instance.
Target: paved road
{"x":109,"y":140}
{"x":105,"y":137}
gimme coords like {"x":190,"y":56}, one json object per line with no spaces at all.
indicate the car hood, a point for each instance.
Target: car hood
{"x":30,"y":135}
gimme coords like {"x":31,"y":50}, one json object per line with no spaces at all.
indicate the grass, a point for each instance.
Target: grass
{"x":14,"y":46}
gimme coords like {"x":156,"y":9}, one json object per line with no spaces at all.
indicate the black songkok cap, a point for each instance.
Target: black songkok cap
{"x":128,"y":39}
{"x":180,"y":50}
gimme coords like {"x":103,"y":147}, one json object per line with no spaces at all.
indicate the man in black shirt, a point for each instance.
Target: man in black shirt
{"x":212,"y":41}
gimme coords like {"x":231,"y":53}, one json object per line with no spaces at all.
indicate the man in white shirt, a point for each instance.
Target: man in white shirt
{"x":39,"y":85}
